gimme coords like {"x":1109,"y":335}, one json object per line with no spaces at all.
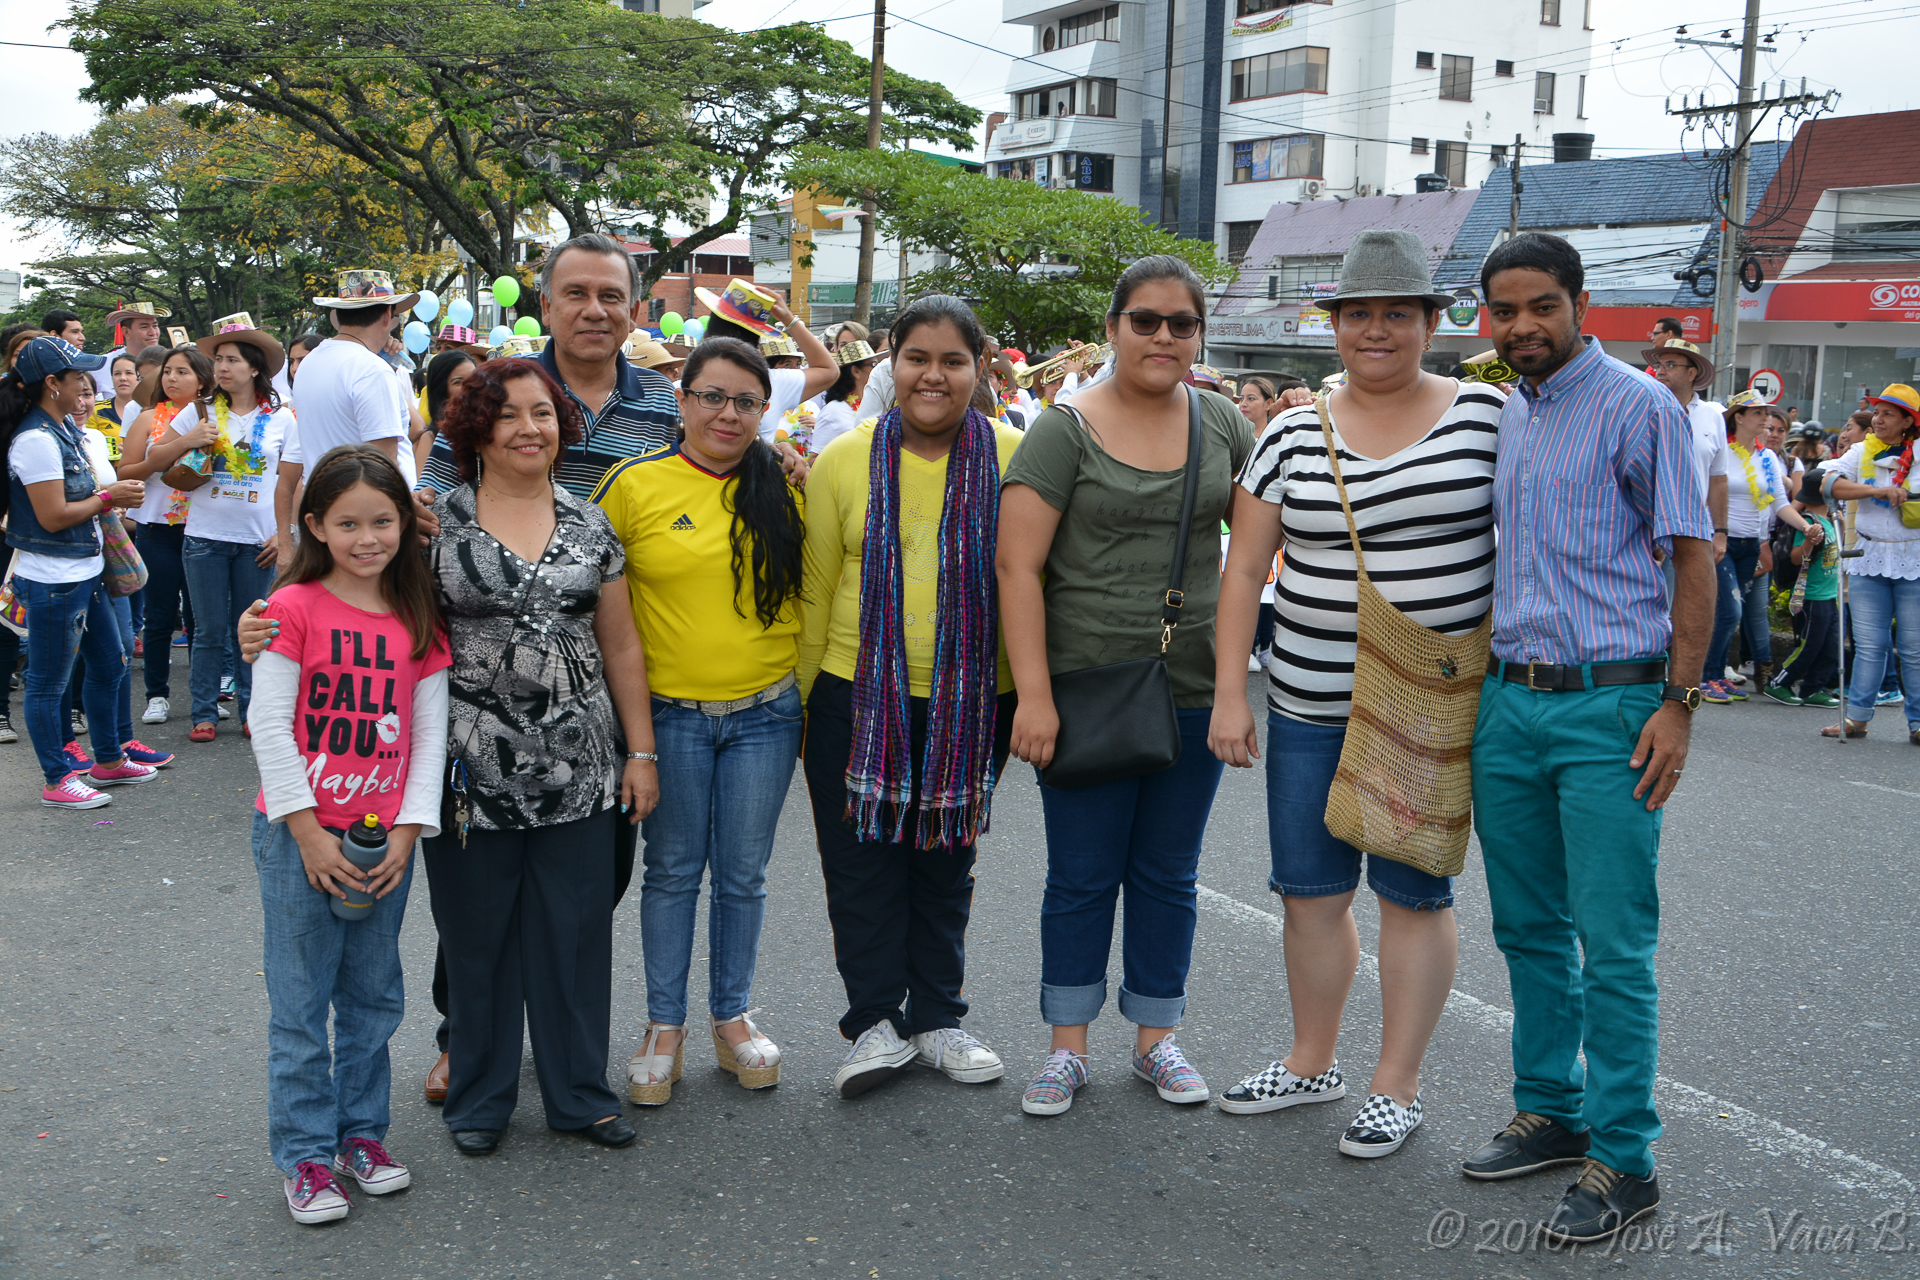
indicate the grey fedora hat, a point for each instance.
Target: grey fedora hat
{"x":1388,"y":264}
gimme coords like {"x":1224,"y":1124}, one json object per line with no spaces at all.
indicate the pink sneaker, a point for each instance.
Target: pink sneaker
{"x":71,"y":793}
{"x":125,"y":773}
{"x":368,"y":1163}
{"x":314,"y":1197}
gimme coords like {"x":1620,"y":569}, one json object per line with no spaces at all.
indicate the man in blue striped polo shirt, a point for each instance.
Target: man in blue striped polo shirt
{"x":1581,"y":736}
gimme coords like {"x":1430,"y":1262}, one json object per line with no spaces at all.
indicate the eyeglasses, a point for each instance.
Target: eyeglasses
{"x":1147,"y":323}
{"x":749,"y":406}
{"x":1673,"y":366}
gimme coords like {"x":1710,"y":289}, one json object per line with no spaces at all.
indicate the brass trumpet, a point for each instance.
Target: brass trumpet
{"x":1094,"y":355}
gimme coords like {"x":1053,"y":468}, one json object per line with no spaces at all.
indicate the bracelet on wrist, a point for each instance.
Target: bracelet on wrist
{"x":644,"y":755}
{"x":106,"y":501}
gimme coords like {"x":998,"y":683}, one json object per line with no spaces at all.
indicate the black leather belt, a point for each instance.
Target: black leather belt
{"x":1551,"y":677}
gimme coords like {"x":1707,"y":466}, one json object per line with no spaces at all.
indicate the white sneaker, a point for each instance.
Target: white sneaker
{"x":368,"y":1164}
{"x":156,"y":712}
{"x":221,"y":707}
{"x":1734,"y":677}
{"x":6,"y":730}
{"x":963,"y":1058}
{"x":313,"y":1196}
{"x":1255,"y":664}
{"x":875,"y":1058}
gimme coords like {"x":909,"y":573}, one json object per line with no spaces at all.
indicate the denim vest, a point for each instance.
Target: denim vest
{"x":79,"y":542}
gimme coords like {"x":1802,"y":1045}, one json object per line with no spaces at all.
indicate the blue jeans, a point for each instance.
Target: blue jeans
{"x":122,"y":607}
{"x":1143,"y":832}
{"x":1308,"y":861}
{"x":1874,"y":604}
{"x":1742,"y":605}
{"x":723,"y":780}
{"x":317,"y":1099}
{"x":222,"y":580}
{"x":63,"y":620}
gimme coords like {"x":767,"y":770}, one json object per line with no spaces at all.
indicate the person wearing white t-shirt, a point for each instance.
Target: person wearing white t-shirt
{"x":348,"y":394}
{"x":845,"y":404}
{"x":231,"y":537}
{"x":1682,"y":368}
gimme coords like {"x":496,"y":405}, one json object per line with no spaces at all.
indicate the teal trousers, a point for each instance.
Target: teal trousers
{"x":1571,"y":859}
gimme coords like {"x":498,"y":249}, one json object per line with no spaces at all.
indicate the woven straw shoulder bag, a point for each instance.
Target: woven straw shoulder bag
{"x":1403,"y":789}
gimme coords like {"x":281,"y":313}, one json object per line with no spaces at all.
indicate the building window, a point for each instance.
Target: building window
{"x":1085,"y":172}
{"x":1018,"y":170}
{"x":1423,"y":61}
{"x":1239,"y":239}
{"x":1450,"y":160}
{"x":1047,"y":39}
{"x":1094,"y":24}
{"x":1549,"y":13}
{"x":1586,"y":20}
{"x":640,"y":6}
{"x":1302,"y":70}
{"x":1499,"y":154}
{"x":1419,"y":146}
{"x":1296,"y":156}
{"x":1580,"y":107}
{"x":1103,"y":97}
{"x":1503,"y":67}
{"x":1456,"y":77}
{"x":1296,"y":277}
{"x":1543,"y":93}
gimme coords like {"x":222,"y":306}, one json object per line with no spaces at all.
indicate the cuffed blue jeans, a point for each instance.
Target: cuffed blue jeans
{"x":1742,"y":606}
{"x":1874,"y":604}
{"x":318,"y":1098}
{"x":222,"y":580}
{"x":63,"y":620}
{"x":1144,"y":833}
{"x":723,"y":781}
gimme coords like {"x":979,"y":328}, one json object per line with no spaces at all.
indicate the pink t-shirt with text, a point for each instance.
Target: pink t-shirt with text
{"x":354,"y":718}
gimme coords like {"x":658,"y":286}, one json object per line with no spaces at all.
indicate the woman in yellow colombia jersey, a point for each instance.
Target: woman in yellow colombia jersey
{"x":712,"y":533}
{"x":909,"y":699}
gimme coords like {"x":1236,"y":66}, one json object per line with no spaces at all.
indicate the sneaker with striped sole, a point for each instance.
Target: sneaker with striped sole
{"x":71,"y":793}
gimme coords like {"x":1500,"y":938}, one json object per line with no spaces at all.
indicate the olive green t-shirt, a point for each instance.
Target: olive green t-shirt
{"x":1106,"y":572}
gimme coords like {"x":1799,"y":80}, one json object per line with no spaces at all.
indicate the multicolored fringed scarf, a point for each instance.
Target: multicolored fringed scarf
{"x":956,"y":774}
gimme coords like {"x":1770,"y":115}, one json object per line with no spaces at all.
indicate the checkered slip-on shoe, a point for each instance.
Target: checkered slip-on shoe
{"x":1277,"y":1087}
{"x":1381,"y":1127}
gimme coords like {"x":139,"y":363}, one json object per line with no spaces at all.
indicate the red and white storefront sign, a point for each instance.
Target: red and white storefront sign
{"x":1891,"y":301}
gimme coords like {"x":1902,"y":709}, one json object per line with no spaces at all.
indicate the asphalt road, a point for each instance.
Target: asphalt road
{"x":133,"y":1079}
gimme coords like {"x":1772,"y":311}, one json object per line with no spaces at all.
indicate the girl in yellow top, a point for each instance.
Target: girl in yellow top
{"x":712,"y":534}
{"x":909,"y":698}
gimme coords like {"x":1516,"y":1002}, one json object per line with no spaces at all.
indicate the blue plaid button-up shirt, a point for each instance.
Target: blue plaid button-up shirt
{"x":1595,"y":469}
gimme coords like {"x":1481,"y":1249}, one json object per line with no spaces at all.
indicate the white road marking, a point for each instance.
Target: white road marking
{"x":1767,"y":1135}
{"x":1892,"y":791}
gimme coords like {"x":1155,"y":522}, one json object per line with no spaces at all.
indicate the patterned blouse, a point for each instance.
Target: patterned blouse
{"x":529,"y":713}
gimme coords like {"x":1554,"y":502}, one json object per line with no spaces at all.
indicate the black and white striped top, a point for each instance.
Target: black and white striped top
{"x":1426,"y":523}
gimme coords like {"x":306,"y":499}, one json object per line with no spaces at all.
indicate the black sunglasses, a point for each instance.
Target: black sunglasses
{"x":1147,"y":323}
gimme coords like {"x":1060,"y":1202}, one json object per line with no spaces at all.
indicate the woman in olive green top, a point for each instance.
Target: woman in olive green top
{"x":1092,"y":501}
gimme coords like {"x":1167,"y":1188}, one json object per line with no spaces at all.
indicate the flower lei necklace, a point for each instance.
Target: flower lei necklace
{"x":1762,"y":496}
{"x":242,"y":458}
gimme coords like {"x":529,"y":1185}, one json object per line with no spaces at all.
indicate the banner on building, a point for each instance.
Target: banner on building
{"x":1259,"y":24}
{"x":885,"y":294}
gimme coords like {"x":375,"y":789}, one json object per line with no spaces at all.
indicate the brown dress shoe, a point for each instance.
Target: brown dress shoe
{"x":437,"y":1080}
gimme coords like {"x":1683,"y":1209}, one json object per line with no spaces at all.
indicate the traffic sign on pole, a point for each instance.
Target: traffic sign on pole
{"x":1767,"y":384}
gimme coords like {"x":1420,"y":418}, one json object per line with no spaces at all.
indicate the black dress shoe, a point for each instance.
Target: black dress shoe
{"x":477,"y":1142}
{"x":615,"y":1132}
{"x":1601,"y":1203}
{"x":1528,"y":1144}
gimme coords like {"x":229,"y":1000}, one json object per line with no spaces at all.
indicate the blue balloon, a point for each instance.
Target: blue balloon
{"x":460,"y":312}
{"x":499,"y":335}
{"x":416,"y":337}
{"x":428,"y":306}
{"x":696,"y":330}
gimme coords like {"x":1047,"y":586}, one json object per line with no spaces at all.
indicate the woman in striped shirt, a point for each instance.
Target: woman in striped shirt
{"x":1417,"y":454}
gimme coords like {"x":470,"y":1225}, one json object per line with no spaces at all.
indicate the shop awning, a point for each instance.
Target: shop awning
{"x":1883,"y":291}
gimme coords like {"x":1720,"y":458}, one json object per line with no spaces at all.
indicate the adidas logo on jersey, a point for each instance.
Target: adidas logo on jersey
{"x":683,"y":525}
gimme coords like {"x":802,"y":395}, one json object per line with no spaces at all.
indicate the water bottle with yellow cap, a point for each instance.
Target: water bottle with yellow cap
{"x":364,"y":845}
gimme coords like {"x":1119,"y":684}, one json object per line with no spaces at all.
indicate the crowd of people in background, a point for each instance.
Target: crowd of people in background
{"x":575,"y":609}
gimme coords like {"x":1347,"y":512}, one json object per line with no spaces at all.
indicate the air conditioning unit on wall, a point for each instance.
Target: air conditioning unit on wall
{"x":1311,"y":188}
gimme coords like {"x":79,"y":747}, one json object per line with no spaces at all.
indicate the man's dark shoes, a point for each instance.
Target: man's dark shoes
{"x":477,"y":1142}
{"x":1601,"y":1203}
{"x":1528,"y":1144}
{"x":614,"y":1132}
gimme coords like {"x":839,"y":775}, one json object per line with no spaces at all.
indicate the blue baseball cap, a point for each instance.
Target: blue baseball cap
{"x":47,"y":355}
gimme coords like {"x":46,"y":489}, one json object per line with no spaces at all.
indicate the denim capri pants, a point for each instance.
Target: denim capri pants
{"x":1308,"y":862}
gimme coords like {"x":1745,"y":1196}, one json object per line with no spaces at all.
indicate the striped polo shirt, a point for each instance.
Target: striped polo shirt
{"x":1425,"y":517}
{"x":642,"y":417}
{"x":1596,"y":468}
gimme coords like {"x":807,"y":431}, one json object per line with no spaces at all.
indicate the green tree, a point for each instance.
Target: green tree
{"x":251,"y":219}
{"x":490,"y":113}
{"x":1039,"y":265}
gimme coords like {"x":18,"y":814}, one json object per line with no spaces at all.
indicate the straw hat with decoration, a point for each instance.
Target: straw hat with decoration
{"x":365,"y":287}
{"x":239,"y":327}
{"x":743,"y":304}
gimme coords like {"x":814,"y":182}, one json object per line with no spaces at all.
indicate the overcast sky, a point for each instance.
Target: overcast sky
{"x":1864,"y":48}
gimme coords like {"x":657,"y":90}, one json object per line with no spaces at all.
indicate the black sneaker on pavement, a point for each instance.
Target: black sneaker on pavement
{"x":1601,"y":1203}
{"x":1528,"y":1144}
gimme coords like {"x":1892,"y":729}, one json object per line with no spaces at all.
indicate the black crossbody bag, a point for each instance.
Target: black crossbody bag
{"x":1117,"y":720}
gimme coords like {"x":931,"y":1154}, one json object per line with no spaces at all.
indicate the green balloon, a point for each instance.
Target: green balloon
{"x":672,"y":322}
{"x":506,"y":291}
{"x":527,"y":327}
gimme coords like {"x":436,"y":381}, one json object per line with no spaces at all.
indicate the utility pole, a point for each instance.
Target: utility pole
{"x":1726,"y":293}
{"x":863,"y":281}
{"x":1513,"y":210}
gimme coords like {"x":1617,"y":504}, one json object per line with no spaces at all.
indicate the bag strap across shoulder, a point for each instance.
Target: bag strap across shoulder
{"x":1339,"y":483}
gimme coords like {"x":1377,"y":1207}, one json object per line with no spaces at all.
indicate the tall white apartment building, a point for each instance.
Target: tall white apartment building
{"x":1206,"y":113}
